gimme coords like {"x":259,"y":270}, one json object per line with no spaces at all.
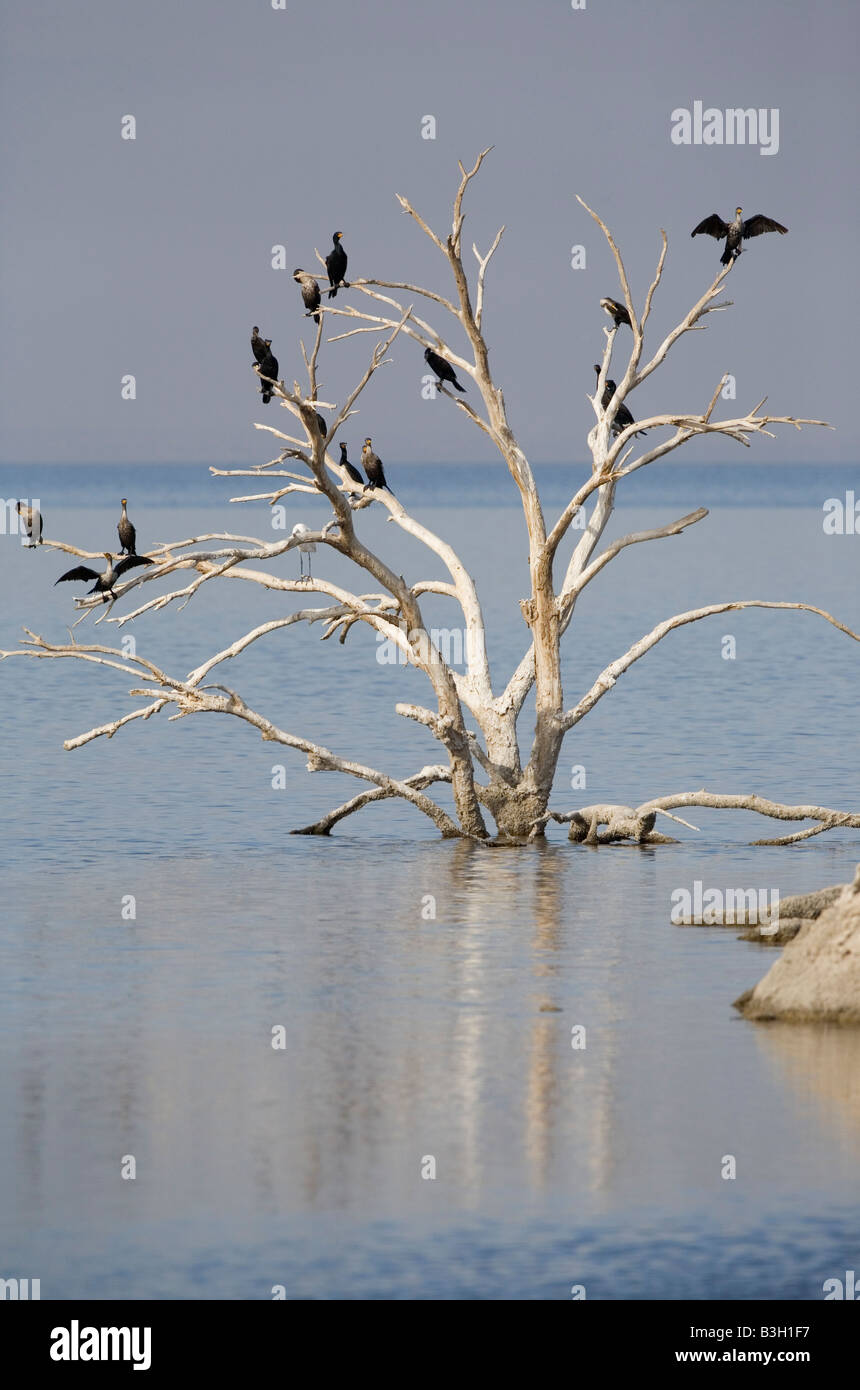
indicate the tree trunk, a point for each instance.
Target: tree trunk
{"x":515,"y":809}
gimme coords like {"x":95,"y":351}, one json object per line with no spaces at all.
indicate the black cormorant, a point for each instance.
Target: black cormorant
{"x":623,"y":418}
{"x":310,"y":292}
{"x":125,"y":530}
{"x":268,"y":368}
{"x":259,"y":346}
{"x":335,"y":264}
{"x":616,"y":311}
{"x":31,"y":520}
{"x":442,"y":368}
{"x":736,"y":232}
{"x":372,"y":465}
{"x":321,"y":425}
{"x":104,"y":582}
{"x":351,"y":471}
{"x":301,"y":530}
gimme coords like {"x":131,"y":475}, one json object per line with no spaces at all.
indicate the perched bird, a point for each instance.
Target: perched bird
{"x":310,"y":292}
{"x":321,"y":425}
{"x":307,"y":549}
{"x":335,"y":264}
{"x":268,"y":368}
{"x":443,"y":369}
{"x":104,"y":582}
{"x":126,"y":532}
{"x":372,"y":464}
{"x":616,"y":311}
{"x":31,"y":520}
{"x":259,"y":346}
{"x":623,"y":418}
{"x":736,"y":232}
{"x":351,"y":471}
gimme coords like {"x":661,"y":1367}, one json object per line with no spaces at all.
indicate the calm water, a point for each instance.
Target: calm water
{"x":406,"y":1037}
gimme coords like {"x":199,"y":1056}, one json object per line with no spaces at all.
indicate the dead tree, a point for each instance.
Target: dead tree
{"x":474,"y":721}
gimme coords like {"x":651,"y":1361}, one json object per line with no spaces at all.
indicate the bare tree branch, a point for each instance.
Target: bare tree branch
{"x":828,"y":820}
{"x":483,"y":262}
{"x":419,"y":780}
{"x":635,"y":538}
{"x":608,"y":677}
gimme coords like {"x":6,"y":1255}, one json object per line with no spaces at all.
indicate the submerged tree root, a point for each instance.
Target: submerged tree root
{"x":637,"y":824}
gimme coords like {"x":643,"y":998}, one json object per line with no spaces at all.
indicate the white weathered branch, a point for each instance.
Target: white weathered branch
{"x":775,"y":810}
{"x":608,"y":677}
{"x":420,"y":781}
{"x":483,"y":262}
{"x":674,"y":528}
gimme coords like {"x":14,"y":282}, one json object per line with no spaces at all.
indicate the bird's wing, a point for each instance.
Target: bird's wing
{"x":712,"y":226}
{"x":128,"y":562}
{"x":79,"y":572}
{"x":754,"y":226}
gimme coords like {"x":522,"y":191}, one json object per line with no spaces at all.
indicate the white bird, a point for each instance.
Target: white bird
{"x":307,"y":549}
{"x":31,"y":521}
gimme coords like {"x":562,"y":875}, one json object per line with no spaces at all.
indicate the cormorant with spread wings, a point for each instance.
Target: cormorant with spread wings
{"x":736,"y":232}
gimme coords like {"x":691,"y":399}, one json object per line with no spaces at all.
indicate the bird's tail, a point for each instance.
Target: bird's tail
{"x":458,"y":386}
{"x":316,"y":318}
{"x":726,"y":257}
{"x":332,"y":294}
{"x":267,"y":396}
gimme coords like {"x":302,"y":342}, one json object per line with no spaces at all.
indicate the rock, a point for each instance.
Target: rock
{"x":817,"y":977}
{"x":810,"y":904}
{"x":786,"y":931}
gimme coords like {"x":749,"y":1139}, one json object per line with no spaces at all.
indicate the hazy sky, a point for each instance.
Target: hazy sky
{"x":258,"y":126}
